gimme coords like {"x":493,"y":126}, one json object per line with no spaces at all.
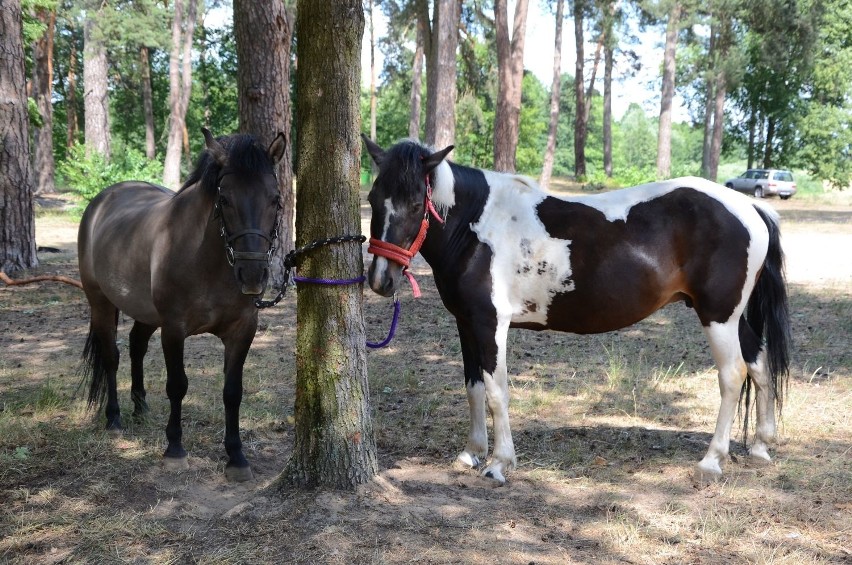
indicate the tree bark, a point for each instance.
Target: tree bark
{"x":441,"y":74}
{"x":709,"y":104}
{"x":264,"y":32}
{"x":721,"y":88}
{"x":752,"y":125}
{"x":664,"y":137}
{"x":180,"y":85}
{"x":17,"y":217}
{"x":147,"y":104}
{"x":416,"y":83}
{"x":579,"y":95}
{"x":770,"y":139}
{"x":555,"y":87}
{"x":96,"y":94}
{"x":510,"y":72}
{"x":607,"y":105}
{"x":72,"y":124}
{"x":334,"y":445}
{"x":43,"y":163}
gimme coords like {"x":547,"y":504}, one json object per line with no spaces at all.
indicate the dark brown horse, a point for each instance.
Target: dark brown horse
{"x":189,"y":262}
{"x":507,"y":254}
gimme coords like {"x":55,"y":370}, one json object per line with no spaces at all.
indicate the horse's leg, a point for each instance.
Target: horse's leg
{"x":497,"y":397}
{"x":765,"y":408}
{"x":476,"y":449}
{"x":725,"y":348}
{"x":237,"y":347}
{"x":102,"y":356}
{"x":140,"y":334}
{"x":176,"y":386}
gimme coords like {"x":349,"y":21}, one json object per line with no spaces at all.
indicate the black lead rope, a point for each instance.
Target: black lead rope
{"x":290,"y":263}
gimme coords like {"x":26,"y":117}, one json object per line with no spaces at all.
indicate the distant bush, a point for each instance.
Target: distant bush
{"x":87,"y":176}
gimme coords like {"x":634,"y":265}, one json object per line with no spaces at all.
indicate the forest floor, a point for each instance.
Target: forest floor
{"x":607,"y":428}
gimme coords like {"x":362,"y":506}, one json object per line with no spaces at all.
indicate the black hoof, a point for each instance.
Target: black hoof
{"x":238,"y":474}
{"x":175,"y":463}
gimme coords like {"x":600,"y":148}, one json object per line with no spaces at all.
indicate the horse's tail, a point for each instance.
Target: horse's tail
{"x":768,"y":315}
{"x":94,"y":370}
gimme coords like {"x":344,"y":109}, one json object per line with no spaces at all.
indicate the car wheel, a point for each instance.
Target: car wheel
{"x":758,"y":192}
{"x":729,"y":184}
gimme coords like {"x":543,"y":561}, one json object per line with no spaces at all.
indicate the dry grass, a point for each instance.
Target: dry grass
{"x":607,"y":430}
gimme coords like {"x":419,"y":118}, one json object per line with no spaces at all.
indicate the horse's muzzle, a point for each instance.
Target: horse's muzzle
{"x":252,"y":276}
{"x":383,"y":276}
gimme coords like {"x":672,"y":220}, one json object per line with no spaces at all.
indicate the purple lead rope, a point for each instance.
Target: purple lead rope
{"x":396,"y":305}
{"x":387,"y":340}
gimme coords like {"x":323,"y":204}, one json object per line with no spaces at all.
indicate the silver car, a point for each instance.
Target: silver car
{"x":764,"y":182}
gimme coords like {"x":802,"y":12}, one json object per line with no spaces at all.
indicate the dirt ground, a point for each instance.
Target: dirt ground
{"x":607,"y":428}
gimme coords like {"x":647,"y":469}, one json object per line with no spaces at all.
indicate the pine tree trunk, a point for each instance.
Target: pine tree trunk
{"x":17,"y":218}
{"x":664,"y":137}
{"x":416,"y":82}
{"x":579,"y":96}
{"x":72,"y":124}
{"x":770,"y":139}
{"x":95,"y":96}
{"x":42,"y":91}
{"x":709,"y":103}
{"x":334,"y":445}
{"x":752,"y":125}
{"x":555,"y":87}
{"x":721,"y":89}
{"x":180,"y":84}
{"x":264,"y":31}
{"x":441,"y":75}
{"x":147,"y":104}
{"x":607,"y":108}
{"x":510,"y":66}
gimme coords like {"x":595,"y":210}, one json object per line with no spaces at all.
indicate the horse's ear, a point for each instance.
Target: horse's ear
{"x":376,"y":152}
{"x":278,"y":147}
{"x":435,"y":159}
{"x":214,"y":147}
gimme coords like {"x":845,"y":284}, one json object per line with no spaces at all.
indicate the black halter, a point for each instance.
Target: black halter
{"x":229,"y":238}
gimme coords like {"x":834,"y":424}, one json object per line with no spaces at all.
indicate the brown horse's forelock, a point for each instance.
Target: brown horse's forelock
{"x":245,"y":156}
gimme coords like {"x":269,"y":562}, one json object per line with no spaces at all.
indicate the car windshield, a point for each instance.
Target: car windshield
{"x":785,"y":176}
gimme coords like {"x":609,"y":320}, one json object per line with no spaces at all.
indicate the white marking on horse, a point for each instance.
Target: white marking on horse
{"x":443,"y":193}
{"x":381,"y":263}
{"x":528,"y":267}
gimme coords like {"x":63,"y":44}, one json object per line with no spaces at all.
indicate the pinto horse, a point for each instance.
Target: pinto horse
{"x":189,"y":262}
{"x":505,"y":253}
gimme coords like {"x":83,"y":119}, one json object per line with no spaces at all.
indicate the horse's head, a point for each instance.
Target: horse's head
{"x":247,"y":203}
{"x":401,"y":202}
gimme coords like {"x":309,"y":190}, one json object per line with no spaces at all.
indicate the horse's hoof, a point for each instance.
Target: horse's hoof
{"x":115,"y":431}
{"x":493,"y":472}
{"x":238,"y":474}
{"x":758,"y":456}
{"x":704,"y":477}
{"x":175,"y":463}
{"x":468,"y":460}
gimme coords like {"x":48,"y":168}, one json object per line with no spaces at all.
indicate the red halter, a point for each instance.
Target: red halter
{"x":403,"y":256}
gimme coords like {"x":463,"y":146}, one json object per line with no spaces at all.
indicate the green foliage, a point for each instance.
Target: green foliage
{"x":34,"y":115}
{"x":89,"y":175}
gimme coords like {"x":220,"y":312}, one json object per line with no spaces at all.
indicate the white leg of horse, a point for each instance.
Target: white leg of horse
{"x":497,"y":395}
{"x":765,"y":408}
{"x":476,"y":449}
{"x":725,"y":347}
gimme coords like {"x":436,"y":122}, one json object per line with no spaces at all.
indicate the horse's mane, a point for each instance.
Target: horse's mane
{"x":244,"y":155}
